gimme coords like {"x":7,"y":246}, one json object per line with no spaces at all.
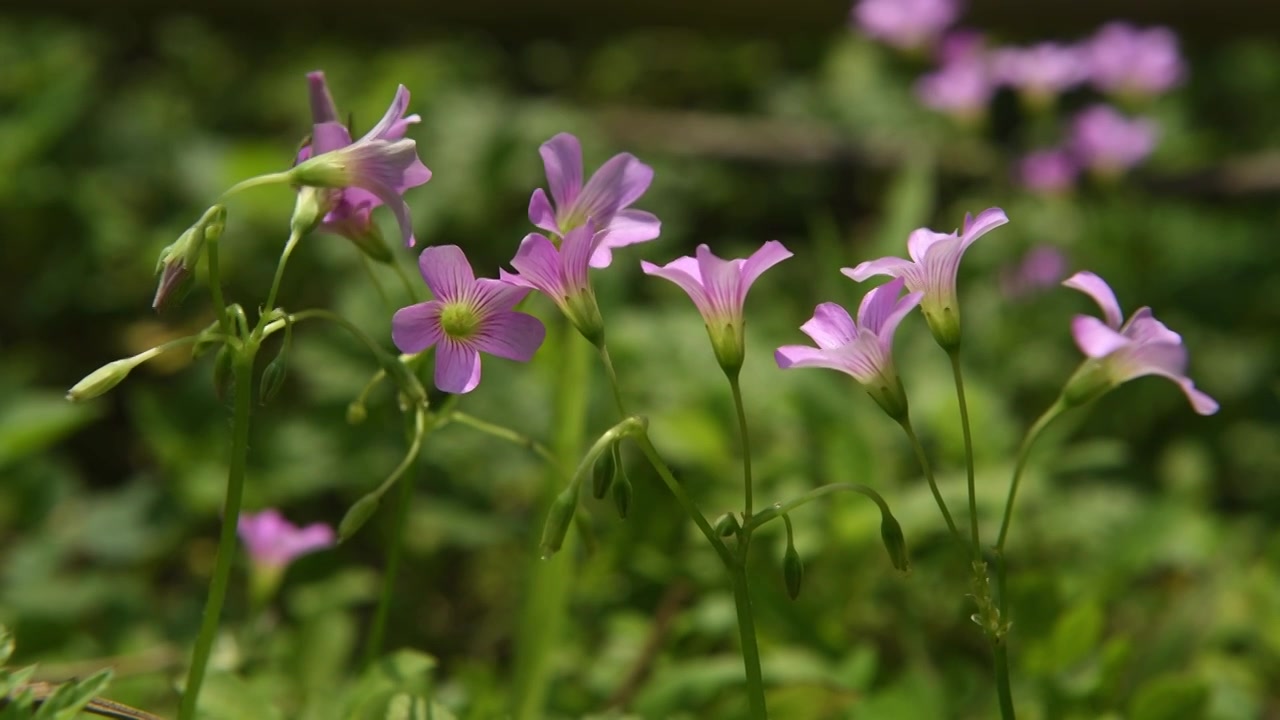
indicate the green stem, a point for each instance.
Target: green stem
{"x":377,"y":284}
{"x":546,"y":598}
{"x":1023,"y":452}
{"x":409,"y":287}
{"x":781,"y":509}
{"x":614,"y":385}
{"x":379,"y":628}
{"x":750,"y":648}
{"x":509,"y":435}
{"x":954,"y":354}
{"x":928,"y":475}
{"x":258,"y":181}
{"x":294,"y":236}
{"x":1003,"y":689}
{"x":243,"y":372}
{"x":746,"y":451}
{"x":215,"y":287}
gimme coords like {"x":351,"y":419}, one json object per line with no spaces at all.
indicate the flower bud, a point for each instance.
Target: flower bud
{"x":727,"y":525}
{"x":559,"y":519}
{"x":358,"y":515}
{"x":101,"y":380}
{"x":178,"y":262}
{"x":894,"y":542}
{"x":356,"y":413}
{"x":223,"y":375}
{"x":622,"y":494}
{"x":273,"y":374}
{"x":310,"y":207}
{"x":792,"y":570}
{"x":606,"y":468}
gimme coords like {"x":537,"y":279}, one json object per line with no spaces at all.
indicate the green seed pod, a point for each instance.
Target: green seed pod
{"x":101,"y":380}
{"x":792,"y":571}
{"x":358,"y":515}
{"x":894,"y":542}
{"x":727,"y":525}
{"x":605,"y":470}
{"x":558,"y":521}
{"x":273,"y":374}
{"x":622,"y":495}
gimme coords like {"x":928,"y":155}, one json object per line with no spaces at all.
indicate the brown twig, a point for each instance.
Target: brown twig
{"x":668,"y":607}
{"x":101,"y":707}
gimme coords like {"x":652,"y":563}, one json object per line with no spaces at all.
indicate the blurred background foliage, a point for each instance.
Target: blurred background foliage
{"x":1144,"y":565}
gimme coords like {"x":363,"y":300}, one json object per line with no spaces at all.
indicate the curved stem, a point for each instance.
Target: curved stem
{"x":243,"y":372}
{"x":613,"y":380}
{"x":1023,"y":452}
{"x":781,"y":509}
{"x":379,"y":628}
{"x":215,"y":286}
{"x":270,"y":305}
{"x":389,"y":362}
{"x":928,"y":475}
{"x":746,"y":452}
{"x":258,"y":181}
{"x":954,"y":354}
{"x":507,"y":434}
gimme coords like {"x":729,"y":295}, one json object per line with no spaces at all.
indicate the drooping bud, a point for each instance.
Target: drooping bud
{"x":894,"y":542}
{"x":223,"y":375}
{"x":178,"y":262}
{"x":792,"y":570}
{"x":273,"y":374}
{"x":727,"y":525}
{"x":358,"y":515}
{"x":606,"y":468}
{"x":559,"y":519}
{"x":102,"y":380}
{"x":622,"y":494}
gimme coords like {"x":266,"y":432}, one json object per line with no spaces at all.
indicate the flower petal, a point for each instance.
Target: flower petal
{"x":602,"y":196}
{"x":802,"y":356}
{"x":417,"y":327}
{"x":878,"y":304}
{"x":831,"y":326}
{"x":891,"y":266}
{"x":1094,"y":338}
{"x":538,"y":263}
{"x":1200,"y":402}
{"x":541,"y":214}
{"x":628,"y":227}
{"x":399,"y":105}
{"x":684,"y":272}
{"x":721,"y":280}
{"x":576,"y":249}
{"x":400,"y":127}
{"x":1098,"y":289}
{"x":328,"y":136}
{"x":636,"y":178}
{"x":987,"y":220}
{"x":1167,"y":359}
{"x":446,"y":271}
{"x":1143,"y":327}
{"x":769,"y":254}
{"x":920,"y":241}
{"x":511,"y":335}
{"x":316,"y":536}
{"x":457,"y":367}
{"x":562,"y":158}
{"x":322,"y":107}
{"x":493,"y":296}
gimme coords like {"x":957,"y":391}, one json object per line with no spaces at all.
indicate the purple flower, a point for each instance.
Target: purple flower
{"x":1041,"y":71}
{"x":561,"y":273}
{"x":862,"y":349}
{"x":1129,"y":61}
{"x":906,"y":24}
{"x":962,"y":87}
{"x":273,"y":542}
{"x":1118,"y":353}
{"x":932,"y":269}
{"x":961,"y":44}
{"x":1048,"y":171}
{"x":1110,"y":143}
{"x":718,"y":289}
{"x":1042,"y":267}
{"x":467,"y":317}
{"x":374,"y":170}
{"x":604,"y":200}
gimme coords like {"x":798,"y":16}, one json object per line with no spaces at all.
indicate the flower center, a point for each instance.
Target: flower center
{"x":459,"y":320}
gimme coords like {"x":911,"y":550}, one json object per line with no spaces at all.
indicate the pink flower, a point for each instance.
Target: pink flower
{"x":375,"y":170}
{"x":932,"y":269}
{"x":1121,"y":352}
{"x":1048,"y":171}
{"x":1128,"y":61}
{"x":718,"y":289}
{"x":467,"y":317}
{"x":862,"y":349}
{"x":906,"y":24}
{"x":961,"y":87}
{"x":1042,"y":70}
{"x":604,"y":200}
{"x":274,"y":542}
{"x":1110,"y":143}
{"x":562,"y":274}
{"x":1041,"y":268}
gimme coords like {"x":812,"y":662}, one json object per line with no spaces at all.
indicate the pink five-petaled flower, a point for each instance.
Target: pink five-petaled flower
{"x":718,"y":289}
{"x":1050,"y":171}
{"x":935,"y":260}
{"x":1109,"y":143}
{"x":906,"y":24}
{"x":1041,"y":71}
{"x":467,"y":317}
{"x":604,"y":200}
{"x":1121,"y":352}
{"x":961,"y":88}
{"x":1128,"y":61}
{"x":273,"y":542}
{"x":863,"y":349}
{"x":374,"y":170}
{"x":561,"y":273}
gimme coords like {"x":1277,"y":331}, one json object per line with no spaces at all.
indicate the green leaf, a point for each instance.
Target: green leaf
{"x":32,"y":422}
{"x":1170,"y":697}
{"x":1076,"y":634}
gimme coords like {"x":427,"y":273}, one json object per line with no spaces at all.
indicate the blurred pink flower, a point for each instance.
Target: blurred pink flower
{"x":1127,"y":60}
{"x":1048,"y":171}
{"x":961,"y":44}
{"x":962,"y":87}
{"x":1041,"y":268}
{"x":274,"y":542}
{"x":906,"y":24}
{"x":1109,"y":143}
{"x":1042,"y":70}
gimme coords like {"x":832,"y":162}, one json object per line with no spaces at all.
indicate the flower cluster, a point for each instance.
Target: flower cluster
{"x":1121,"y":61}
